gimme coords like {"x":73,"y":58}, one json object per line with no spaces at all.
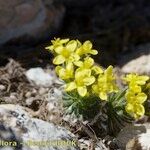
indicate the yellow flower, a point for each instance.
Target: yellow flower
{"x":134,"y":103}
{"x":56,"y":42}
{"x":135,"y":97}
{"x":135,"y":79}
{"x":105,"y":84}
{"x":66,"y":53}
{"x":83,"y":79}
{"x":86,"y":48}
{"x":97,"y":69}
{"x":65,"y":73}
{"x":100,"y":91}
{"x":136,"y":110}
{"x":86,"y":64}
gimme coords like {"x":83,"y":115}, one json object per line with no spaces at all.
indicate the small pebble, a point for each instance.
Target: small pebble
{"x":57,"y":92}
{"x":87,"y":142}
{"x":50,"y":106}
{"x":42,"y":91}
{"x":13,"y":97}
{"x":2,"y":87}
{"x":28,"y":94}
{"x":34,"y":91}
{"x":29,"y":101}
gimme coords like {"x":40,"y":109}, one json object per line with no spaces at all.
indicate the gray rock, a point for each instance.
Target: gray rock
{"x":137,"y":61}
{"x":28,"y":20}
{"x":139,"y":65}
{"x":35,"y":134}
{"x":135,"y":137}
{"x":39,"y":77}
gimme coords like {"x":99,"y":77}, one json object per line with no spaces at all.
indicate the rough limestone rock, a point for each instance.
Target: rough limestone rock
{"x":28,"y":20}
{"x":139,"y":65}
{"x":138,"y":61}
{"x":135,"y":137}
{"x":39,"y":77}
{"x":31,"y":133}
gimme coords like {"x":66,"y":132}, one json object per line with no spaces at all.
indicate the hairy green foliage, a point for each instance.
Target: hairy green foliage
{"x":81,"y":107}
{"x":88,"y":108}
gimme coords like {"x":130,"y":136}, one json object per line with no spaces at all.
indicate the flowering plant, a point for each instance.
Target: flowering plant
{"x":88,"y":86}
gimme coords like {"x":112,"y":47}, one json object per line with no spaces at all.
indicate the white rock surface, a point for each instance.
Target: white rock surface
{"x":135,"y":137}
{"x":39,"y":77}
{"x":32,"y":132}
{"x":139,"y":65}
{"x":144,"y":140}
{"x":137,"y":61}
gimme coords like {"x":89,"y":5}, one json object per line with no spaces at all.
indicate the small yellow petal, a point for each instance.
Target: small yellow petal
{"x":109,"y":70}
{"x":82,"y":73}
{"x":89,"y":80}
{"x":97,"y":69}
{"x":129,"y":96}
{"x":51,"y":47}
{"x":103,"y":95}
{"x":59,"y":49}
{"x":70,"y":86}
{"x":142,"y":80}
{"x":87,"y":45}
{"x":82,"y":91}
{"x":78,"y":63}
{"x":58,"y":41}
{"x":59,"y":60}
{"x":79,"y":51}
{"x":129,"y":108}
{"x":71,"y":46}
{"x":94,"y":52}
{"x":88,"y":62}
{"x":140,"y":110}
{"x":74,"y":57}
{"x":135,"y":88}
{"x":57,"y":69}
{"x":136,"y":79}
{"x":141,"y":97}
{"x":129,"y":77}
{"x":62,"y":74}
{"x":63,"y":41}
{"x":69,"y":66}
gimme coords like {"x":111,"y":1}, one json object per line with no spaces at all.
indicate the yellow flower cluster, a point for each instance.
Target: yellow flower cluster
{"x":105,"y":84}
{"x":78,"y":69}
{"x":134,"y":95}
